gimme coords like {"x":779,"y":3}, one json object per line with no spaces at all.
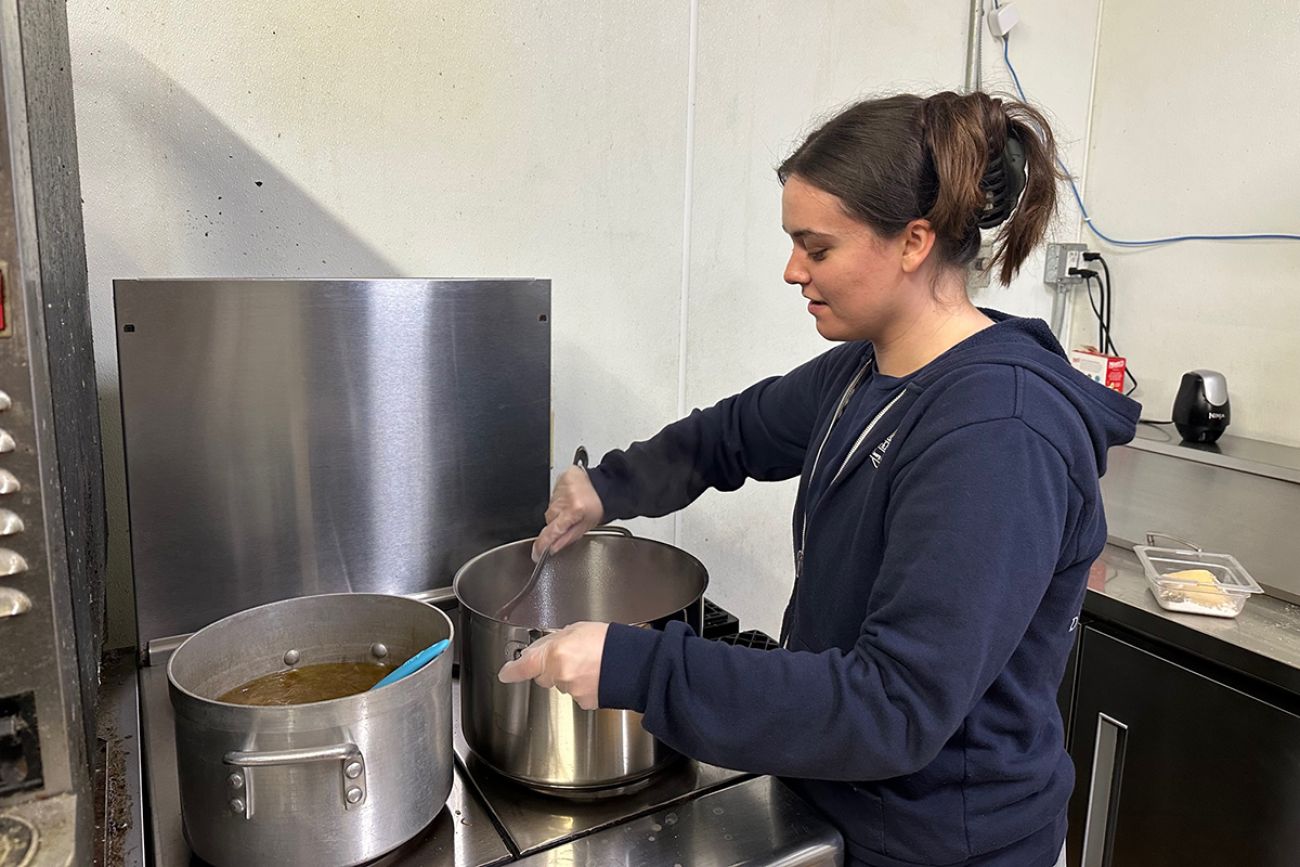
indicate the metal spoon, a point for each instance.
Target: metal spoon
{"x":503,"y":613}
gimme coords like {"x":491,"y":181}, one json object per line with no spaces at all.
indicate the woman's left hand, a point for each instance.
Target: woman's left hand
{"x":568,"y":660}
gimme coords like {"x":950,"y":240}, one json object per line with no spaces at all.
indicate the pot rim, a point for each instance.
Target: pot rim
{"x":426,"y":670}
{"x":460,"y":573}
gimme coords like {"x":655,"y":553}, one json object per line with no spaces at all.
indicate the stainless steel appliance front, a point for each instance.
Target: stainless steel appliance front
{"x":293,"y":437}
{"x":52,"y":530}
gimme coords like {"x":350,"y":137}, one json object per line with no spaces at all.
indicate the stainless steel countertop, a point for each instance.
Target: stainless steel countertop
{"x":1235,"y":453}
{"x":533,"y":822}
{"x":1262,"y":641}
{"x":758,"y":821}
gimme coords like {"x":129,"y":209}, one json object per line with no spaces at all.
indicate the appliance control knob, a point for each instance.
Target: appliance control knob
{"x":13,"y":602}
{"x":11,"y":562}
{"x":10,"y":523}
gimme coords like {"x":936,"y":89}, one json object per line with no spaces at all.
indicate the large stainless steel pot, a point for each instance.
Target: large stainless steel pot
{"x":540,"y":736}
{"x":330,"y":783}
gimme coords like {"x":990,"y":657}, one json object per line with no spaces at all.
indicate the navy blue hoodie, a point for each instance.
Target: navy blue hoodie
{"x":939,"y":581}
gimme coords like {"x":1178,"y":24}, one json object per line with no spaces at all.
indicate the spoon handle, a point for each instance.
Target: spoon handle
{"x":415,"y":663}
{"x":503,"y":613}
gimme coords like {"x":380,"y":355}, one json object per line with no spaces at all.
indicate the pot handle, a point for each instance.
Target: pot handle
{"x":352,"y":772}
{"x":515,"y":647}
{"x":610,"y":529}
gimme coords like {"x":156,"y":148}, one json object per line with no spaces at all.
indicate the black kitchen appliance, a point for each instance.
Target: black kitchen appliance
{"x":1201,"y":411}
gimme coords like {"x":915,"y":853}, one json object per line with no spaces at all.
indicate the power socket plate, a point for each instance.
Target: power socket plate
{"x":1059,"y":260}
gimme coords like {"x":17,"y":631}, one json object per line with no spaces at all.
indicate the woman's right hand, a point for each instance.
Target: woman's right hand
{"x":575,"y":508}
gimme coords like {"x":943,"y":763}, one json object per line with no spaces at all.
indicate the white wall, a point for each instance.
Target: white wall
{"x":1194,"y":130}
{"x":516,"y":138}
{"x":760,"y":84}
{"x":1052,"y":50}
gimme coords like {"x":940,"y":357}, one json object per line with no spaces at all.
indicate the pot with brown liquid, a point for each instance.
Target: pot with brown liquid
{"x":323,"y":681}
{"x":285,"y":754}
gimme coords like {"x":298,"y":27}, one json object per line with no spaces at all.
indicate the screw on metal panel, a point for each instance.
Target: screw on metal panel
{"x":236,"y":805}
{"x":236,"y":781}
{"x":354,"y":795}
{"x":378,"y":651}
{"x":353,"y":770}
{"x":291,"y":657}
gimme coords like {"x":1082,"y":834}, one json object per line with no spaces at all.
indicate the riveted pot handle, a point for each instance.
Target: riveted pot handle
{"x":239,"y":784}
{"x":515,"y":647}
{"x":268,"y":758}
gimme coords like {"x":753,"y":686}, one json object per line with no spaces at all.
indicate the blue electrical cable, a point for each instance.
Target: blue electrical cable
{"x":1087,"y":219}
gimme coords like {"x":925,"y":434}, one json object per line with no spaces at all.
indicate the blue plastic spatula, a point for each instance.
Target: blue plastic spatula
{"x":415,"y":663}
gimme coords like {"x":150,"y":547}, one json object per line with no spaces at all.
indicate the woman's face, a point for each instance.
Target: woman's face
{"x":851,"y":276}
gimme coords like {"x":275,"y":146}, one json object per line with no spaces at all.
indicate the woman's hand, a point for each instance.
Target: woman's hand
{"x":568,"y":660}
{"x":575,"y":508}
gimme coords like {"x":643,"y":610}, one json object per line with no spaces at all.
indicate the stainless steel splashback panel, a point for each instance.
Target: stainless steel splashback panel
{"x":289,"y":437}
{"x":1240,"y":497}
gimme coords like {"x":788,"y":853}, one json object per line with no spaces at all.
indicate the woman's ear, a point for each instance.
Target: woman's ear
{"x":918,"y":239}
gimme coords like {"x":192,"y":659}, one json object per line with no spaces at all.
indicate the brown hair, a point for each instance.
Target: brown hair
{"x":943,"y":158}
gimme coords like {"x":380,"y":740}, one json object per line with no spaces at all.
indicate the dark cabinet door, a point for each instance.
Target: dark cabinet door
{"x":1176,"y":768}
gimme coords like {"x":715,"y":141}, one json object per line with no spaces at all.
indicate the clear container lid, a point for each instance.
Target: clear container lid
{"x":1164,"y":567}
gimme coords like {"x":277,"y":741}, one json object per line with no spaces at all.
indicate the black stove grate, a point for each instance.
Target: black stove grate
{"x":718,"y":622}
{"x":752,"y":638}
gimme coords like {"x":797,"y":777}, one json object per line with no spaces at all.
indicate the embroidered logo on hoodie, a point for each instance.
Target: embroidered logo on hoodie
{"x":878,"y":453}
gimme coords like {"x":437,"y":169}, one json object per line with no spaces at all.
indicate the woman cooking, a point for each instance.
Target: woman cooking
{"x":947,"y":514}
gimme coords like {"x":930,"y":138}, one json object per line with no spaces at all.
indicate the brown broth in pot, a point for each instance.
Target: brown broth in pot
{"x":308,"y":683}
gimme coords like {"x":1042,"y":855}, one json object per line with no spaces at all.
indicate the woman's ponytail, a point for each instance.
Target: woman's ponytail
{"x":961,"y":161}
{"x":992,"y":159}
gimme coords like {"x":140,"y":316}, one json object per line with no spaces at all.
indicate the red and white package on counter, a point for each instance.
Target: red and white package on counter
{"x":1106,"y":369}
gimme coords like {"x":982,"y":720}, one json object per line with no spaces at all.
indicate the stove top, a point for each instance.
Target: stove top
{"x":691,"y":813}
{"x":532,"y":821}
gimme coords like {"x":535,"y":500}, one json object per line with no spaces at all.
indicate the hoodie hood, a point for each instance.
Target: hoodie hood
{"x":1110,"y":417}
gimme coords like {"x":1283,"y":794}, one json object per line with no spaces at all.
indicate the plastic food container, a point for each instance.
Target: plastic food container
{"x":1191,"y":581}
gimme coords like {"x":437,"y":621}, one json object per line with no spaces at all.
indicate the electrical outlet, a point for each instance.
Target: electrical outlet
{"x":1058,"y":262}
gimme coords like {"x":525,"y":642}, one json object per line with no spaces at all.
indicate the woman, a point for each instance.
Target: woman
{"x":948,"y":508}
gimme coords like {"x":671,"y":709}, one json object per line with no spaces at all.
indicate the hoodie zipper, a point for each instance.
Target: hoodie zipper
{"x":839,"y":411}
{"x":866,"y":432}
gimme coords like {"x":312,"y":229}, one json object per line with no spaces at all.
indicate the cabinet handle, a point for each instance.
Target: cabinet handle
{"x":1103,"y":791}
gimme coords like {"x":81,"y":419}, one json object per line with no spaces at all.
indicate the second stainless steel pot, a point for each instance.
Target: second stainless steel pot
{"x":540,"y":736}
